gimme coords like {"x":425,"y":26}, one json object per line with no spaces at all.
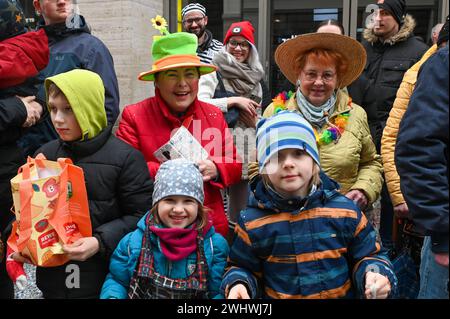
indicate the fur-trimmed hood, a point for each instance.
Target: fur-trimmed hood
{"x":406,"y":30}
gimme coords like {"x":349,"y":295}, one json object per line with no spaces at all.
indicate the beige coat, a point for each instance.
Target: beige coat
{"x":391,"y":130}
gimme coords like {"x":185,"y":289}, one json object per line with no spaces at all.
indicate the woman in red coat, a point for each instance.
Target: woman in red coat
{"x":148,"y":124}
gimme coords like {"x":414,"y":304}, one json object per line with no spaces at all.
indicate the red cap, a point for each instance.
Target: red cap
{"x":244,"y":29}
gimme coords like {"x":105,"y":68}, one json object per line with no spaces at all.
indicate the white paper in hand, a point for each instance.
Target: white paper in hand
{"x":181,"y":145}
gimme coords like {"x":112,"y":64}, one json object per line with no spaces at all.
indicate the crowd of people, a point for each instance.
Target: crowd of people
{"x":274,"y":197}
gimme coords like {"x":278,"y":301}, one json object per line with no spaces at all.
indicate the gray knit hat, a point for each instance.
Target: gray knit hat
{"x":178,"y":177}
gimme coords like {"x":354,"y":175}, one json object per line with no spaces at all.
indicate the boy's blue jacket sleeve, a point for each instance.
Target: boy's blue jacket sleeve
{"x":366,"y":254}
{"x":240,"y":261}
{"x":122,"y":264}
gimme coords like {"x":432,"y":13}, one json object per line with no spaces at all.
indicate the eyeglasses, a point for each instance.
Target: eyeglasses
{"x":245,"y":45}
{"x":313,"y":76}
{"x":192,"y":20}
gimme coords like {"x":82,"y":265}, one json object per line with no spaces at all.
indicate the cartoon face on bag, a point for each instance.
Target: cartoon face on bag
{"x":50,"y":188}
{"x":63,"y":118}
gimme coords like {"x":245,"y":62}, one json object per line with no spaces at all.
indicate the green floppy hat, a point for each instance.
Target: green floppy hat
{"x":175,"y":50}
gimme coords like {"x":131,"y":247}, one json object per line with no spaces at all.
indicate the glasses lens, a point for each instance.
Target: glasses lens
{"x":196,"y":20}
{"x":234,"y":44}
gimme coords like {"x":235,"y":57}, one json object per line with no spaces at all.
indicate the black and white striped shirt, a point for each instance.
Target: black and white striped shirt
{"x":209,"y":48}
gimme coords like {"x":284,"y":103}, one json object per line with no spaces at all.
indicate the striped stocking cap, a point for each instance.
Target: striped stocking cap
{"x":193,"y":7}
{"x":284,"y":130}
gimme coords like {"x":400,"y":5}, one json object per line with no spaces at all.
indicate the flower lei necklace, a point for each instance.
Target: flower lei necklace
{"x":331,"y":134}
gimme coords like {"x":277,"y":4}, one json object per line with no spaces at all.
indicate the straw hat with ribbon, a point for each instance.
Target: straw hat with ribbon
{"x":288,"y":52}
{"x":173,"y":50}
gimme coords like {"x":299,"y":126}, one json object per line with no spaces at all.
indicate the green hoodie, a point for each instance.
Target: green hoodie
{"x":85,"y":93}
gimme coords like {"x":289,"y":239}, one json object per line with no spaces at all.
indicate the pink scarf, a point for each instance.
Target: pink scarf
{"x":177,"y":244}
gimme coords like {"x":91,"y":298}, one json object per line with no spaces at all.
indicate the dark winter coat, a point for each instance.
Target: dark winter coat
{"x":422,"y":154}
{"x":21,"y":57}
{"x":363,"y":94}
{"x":12,"y":115}
{"x":387,"y":62}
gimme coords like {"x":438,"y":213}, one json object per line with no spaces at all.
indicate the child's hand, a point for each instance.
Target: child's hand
{"x":441,"y":259}
{"x":82,"y":249}
{"x":21,"y":282}
{"x":238,"y":292}
{"x":208,"y":170}
{"x":377,"y":286}
{"x":20,"y":258}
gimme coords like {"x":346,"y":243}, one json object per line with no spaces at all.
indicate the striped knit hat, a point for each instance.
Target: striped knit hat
{"x":193,"y":7}
{"x":284,"y":130}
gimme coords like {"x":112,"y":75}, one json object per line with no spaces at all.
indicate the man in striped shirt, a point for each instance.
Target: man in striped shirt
{"x":195,"y":21}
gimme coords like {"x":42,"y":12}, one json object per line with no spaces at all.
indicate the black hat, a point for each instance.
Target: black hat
{"x":395,"y":7}
{"x":12,"y":19}
{"x":443,"y":34}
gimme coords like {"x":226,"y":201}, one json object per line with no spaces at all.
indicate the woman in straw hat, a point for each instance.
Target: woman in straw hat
{"x":321,"y":64}
{"x":148,"y":124}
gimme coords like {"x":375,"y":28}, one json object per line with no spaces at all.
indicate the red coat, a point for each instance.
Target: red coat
{"x":147,"y":126}
{"x":22,"y":57}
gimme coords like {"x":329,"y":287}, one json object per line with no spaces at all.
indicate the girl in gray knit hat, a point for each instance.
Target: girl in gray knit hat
{"x":175,"y":253}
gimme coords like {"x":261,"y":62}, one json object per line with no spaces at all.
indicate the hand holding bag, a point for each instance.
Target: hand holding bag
{"x":51,"y":208}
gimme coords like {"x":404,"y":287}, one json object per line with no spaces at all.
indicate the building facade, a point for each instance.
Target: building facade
{"x":125,"y":27}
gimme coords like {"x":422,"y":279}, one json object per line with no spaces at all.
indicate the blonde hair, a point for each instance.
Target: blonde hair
{"x":201,"y":220}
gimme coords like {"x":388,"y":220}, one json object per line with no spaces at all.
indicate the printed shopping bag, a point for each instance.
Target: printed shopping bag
{"x":51,"y":208}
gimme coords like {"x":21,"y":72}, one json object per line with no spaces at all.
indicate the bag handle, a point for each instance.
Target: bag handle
{"x":25,"y":168}
{"x":39,"y":162}
{"x":63,"y":162}
{"x":25,"y":193}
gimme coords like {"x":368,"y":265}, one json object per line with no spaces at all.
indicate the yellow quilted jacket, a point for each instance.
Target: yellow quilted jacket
{"x":391,"y":130}
{"x":353,"y":161}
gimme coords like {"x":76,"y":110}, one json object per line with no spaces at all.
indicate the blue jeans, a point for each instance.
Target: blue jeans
{"x":433,"y":277}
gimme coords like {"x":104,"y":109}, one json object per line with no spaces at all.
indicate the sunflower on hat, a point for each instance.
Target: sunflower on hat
{"x":160,"y":24}
{"x":173,"y":50}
